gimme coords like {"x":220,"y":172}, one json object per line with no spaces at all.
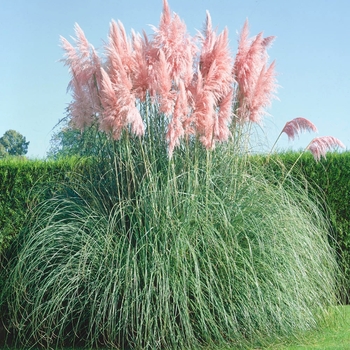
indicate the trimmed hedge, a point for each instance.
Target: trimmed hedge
{"x":330,"y":180}
{"x":23,"y":183}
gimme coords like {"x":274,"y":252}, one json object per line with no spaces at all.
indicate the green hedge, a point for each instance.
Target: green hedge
{"x":330,"y":179}
{"x":22,"y":184}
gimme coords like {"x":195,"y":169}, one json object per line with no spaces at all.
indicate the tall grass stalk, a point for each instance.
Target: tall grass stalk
{"x":148,"y":252}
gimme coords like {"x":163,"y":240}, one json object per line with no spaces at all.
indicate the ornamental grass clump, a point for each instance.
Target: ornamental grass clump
{"x":173,"y":239}
{"x":188,"y":257}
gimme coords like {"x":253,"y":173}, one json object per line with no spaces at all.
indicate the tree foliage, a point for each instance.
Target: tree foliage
{"x":13,"y":143}
{"x":69,"y":141}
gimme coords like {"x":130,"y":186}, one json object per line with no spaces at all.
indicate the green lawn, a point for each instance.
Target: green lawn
{"x":335,"y":336}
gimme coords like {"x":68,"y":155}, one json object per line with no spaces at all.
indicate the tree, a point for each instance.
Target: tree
{"x":69,"y":141}
{"x":3,"y":152}
{"x":13,"y":143}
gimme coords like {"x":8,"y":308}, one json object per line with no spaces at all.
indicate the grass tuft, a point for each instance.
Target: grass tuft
{"x":151,"y":253}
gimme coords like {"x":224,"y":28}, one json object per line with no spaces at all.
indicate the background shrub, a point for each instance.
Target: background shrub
{"x":25,"y":183}
{"x":328,"y":179}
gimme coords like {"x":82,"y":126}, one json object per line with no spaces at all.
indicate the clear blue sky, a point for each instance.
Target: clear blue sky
{"x":312,"y":51}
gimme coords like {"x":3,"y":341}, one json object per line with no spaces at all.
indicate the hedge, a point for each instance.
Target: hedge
{"x":22,"y":184}
{"x":330,"y":179}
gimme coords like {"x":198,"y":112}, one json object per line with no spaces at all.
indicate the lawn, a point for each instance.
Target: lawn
{"x":335,"y":336}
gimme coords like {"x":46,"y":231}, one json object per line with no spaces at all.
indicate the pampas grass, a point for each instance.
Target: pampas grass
{"x":202,"y":249}
{"x":174,"y":239}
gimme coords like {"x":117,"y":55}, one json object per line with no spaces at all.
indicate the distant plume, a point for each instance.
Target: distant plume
{"x":298,"y":125}
{"x":320,"y":145}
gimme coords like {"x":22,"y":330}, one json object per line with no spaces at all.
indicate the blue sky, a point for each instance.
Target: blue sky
{"x":312,"y":52}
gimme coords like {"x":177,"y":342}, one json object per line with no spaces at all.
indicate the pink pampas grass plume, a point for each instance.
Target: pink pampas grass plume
{"x":298,"y":125}
{"x":164,"y":85}
{"x":263,"y":93}
{"x":202,"y":120}
{"x":112,"y":119}
{"x":118,"y":98}
{"x":119,"y":109}
{"x":224,"y":116}
{"x":215,"y":61}
{"x":81,"y":109}
{"x":119,"y":45}
{"x":172,"y":38}
{"x":141,"y":66}
{"x":320,"y":145}
{"x":84,"y":65}
{"x":176,"y":125}
{"x":295,"y":127}
{"x":211,"y":88}
{"x":256,"y":82}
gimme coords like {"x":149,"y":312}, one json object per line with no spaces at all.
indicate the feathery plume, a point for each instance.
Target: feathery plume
{"x":145,"y":60}
{"x":215,"y":61}
{"x":203,"y":115}
{"x":118,"y":98}
{"x":172,"y":38}
{"x":320,"y":145}
{"x":119,"y":45}
{"x":135,"y":120}
{"x":262,"y":93}
{"x":255,"y":82}
{"x":295,"y":127}
{"x":141,"y":67}
{"x":82,"y":43}
{"x":176,"y":125}
{"x":111,"y":120}
{"x":222,"y":131}
{"x":81,"y":110}
{"x":298,"y":125}
{"x":84,"y":65}
{"x":164,"y":84}
{"x":119,"y":108}
{"x":212,"y":88}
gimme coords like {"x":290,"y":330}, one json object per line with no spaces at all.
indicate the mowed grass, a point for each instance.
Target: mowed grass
{"x":335,"y":335}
